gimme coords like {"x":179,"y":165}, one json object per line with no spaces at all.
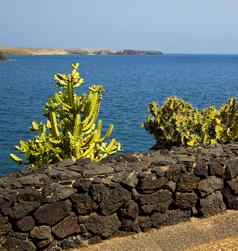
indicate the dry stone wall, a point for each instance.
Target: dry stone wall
{"x":78,"y":203}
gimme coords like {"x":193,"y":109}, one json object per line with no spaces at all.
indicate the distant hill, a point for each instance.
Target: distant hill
{"x":2,"y":56}
{"x":54,"y":51}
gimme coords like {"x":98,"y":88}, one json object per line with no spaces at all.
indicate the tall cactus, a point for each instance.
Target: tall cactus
{"x":71,"y":130}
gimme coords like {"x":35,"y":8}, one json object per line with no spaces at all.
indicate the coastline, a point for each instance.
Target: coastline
{"x":80,"y":51}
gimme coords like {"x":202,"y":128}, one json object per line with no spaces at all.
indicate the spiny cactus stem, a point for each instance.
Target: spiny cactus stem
{"x":53,"y":120}
{"x":77,"y":126}
{"x":70,"y":93}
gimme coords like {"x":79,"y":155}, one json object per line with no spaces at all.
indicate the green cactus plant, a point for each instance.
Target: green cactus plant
{"x":178,"y":123}
{"x":71,"y":130}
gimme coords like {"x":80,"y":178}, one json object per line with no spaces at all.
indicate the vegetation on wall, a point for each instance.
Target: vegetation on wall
{"x":72,"y":129}
{"x":177,"y":122}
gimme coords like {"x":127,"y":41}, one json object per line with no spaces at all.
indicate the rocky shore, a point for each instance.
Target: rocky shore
{"x":78,"y":203}
{"x":54,"y":51}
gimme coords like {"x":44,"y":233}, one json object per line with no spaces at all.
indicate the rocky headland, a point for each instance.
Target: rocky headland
{"x":86,"y":51}
{"x":2,"y":56}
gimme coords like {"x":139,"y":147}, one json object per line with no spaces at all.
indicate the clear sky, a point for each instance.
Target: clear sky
{"x":183,"y":26}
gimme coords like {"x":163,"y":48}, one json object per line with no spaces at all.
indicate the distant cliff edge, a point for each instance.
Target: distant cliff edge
{"x":44,"y":51}
{"x":2,"y":56}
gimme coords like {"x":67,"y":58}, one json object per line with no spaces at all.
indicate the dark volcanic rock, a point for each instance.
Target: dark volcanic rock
{"x":170,"y":217}
{"x":20,"y":210}
{"x":129,"y":225}
{"x":14,"y":244}
{"x":26,"y":224}
{"x":103,"y":226}
{"x":231,"y":168}
{"x":77,"y":203}
{"x":56,"y":192}
{"x":233,"y":184}
{"x":187,"y":183}
{"x":201,"y":168}
{"x":231,"y":199}
{"x":216,"y":168}
{"x":113,"y":198}
{"x":212,"y":204}
{"x":151,"y":183}
{"x":33,"y":179}
{"x":158,"y":201}
{"x":83,"y":203}
{"x":5,"y":226}
{"x":209,"y":185}
{"x":186,"y":200}
{"x":66,"y":227}
{"x":29,"y":194}
{"x":41,"y":233}
{"x":171,"y":186}
{"x":144,"y":222}
{"x":130,"y":210}
{"x":161,"y":171}
{"x":82,"y":185}
{"x":128,"y":179}
{"x":50,"y":214}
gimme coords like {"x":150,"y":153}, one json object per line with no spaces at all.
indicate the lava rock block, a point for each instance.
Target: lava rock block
{"x":144,"y":222}
{"x":129,"y":225}
{"x":201,"y":168}
{"x":5,"y":225}
{"x":150,"y":183}
{"x":212,"y":204}
{"x":83,"y":203}
{"x":170,"y":217}
{"x":158,"y":201}
{"x":103,"y":226}
{"x":231,"y":199}
{"x":130,"y":210}
{"x":26,"y":224}
{"x":14,"y":244}
{"x":216,"y":168}
{"x":209,"y":185}
{"x":66,"y":227}
{"x":114,"y":198}
{"x":186,"y":200}
{"x":188,"y":183}
{"x":50,"y":214}
{"x":82,"y":185}
{"x":21,"y":209}
{"x":233,"y":184}
{"x":41,"y":233}
{"x":231,"y":168}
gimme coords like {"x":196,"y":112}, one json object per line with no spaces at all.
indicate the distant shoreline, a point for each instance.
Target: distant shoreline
{"x":44,"y":51}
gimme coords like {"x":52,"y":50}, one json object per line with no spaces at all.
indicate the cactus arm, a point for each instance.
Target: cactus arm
{"x":53,"y":120}
{"x":107,"y":134}
{"x":16,"y":158}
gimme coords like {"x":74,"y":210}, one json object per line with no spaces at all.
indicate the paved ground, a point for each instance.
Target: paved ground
{"x":216,"y":233}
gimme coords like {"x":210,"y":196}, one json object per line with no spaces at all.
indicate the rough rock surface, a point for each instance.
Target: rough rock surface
{"x":74,"y":203}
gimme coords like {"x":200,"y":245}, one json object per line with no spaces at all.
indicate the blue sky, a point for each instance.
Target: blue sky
{"x":180,"y":26}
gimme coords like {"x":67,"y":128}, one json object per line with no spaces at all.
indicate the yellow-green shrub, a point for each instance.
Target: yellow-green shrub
{"x":177,"y":122}
{"x":72,"y":129}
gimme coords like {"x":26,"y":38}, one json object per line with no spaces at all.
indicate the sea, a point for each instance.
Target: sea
{"x":130,"y":82}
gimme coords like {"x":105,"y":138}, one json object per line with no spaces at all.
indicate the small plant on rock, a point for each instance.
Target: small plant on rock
{"x":72,"y":129}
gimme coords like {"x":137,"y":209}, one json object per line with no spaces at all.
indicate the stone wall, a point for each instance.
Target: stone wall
{"x":78,"y":203}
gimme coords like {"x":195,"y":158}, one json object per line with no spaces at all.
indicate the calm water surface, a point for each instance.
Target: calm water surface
{"x":130,"y":83}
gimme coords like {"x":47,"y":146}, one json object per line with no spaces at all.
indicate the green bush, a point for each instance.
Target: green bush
{"x":71,"y":130}
{"x":177,"y":122}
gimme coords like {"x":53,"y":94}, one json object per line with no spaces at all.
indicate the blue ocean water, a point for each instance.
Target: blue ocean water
{"x":131,"y":82}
